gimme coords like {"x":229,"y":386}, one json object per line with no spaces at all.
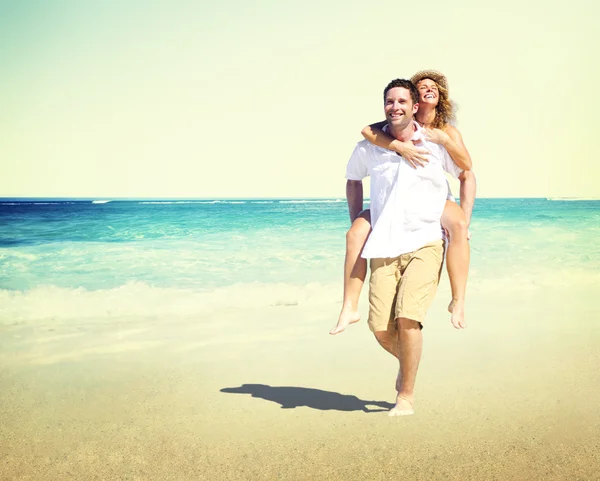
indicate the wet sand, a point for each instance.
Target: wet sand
{"x":268,"y":394}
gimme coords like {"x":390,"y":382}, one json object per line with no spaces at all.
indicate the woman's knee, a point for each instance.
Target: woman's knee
{"x":459,"y":226}
{"x":456,"y":223}
{"x":359,"y":231}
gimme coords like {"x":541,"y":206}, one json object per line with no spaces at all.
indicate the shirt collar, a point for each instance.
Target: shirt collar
{"x":418,"y":131}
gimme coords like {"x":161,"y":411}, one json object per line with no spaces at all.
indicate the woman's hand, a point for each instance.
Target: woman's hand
{"x":413,"y":155}
{"x":436,"y":135}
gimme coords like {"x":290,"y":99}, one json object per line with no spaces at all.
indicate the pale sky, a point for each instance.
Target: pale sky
{"x":267,"y":98}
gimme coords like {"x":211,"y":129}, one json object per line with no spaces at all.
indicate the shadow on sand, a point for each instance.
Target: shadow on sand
{"x":293,"y":397}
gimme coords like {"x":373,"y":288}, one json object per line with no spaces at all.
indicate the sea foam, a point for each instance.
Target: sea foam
{"x":139,"y":300}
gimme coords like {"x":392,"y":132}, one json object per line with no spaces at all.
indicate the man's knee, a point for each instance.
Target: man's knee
{"x":405,"y":323}
{"x":382,"y":336}
{"x":385,"y":338}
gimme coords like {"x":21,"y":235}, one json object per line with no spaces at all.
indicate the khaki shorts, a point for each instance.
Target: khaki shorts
{"x":404,"y":286}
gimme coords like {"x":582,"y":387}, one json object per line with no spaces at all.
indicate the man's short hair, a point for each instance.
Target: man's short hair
{"x":406,"y":84}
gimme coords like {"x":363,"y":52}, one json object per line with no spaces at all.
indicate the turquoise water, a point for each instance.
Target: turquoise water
{"x":59,"y":257}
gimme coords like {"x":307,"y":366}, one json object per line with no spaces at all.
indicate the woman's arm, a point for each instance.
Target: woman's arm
{"x":413,"y":155}
{"x":452,"y":141}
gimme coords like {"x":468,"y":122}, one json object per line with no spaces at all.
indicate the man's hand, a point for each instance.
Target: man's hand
{"x":413,"y":155}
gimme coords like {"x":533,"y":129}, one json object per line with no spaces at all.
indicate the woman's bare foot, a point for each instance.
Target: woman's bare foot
{"x":457,"y":310}
{"x":403,"y":407}
{"x":347,"y":316}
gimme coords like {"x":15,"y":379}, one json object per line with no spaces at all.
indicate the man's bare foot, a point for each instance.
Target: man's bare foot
{"x":457,"y":310}
{"x":403,"y":407}
{"x":347,"y":316}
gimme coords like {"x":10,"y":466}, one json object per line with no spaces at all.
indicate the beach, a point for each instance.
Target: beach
{"x":130,"y":377}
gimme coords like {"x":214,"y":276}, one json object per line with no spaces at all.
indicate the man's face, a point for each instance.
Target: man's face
{"x":428,"y":92}
{"x":399,"y":108}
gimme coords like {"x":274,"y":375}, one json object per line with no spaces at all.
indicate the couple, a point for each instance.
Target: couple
{"x":410,"y":197}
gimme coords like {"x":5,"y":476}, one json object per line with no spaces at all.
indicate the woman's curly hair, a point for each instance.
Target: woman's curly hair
{"x":445,"y":110}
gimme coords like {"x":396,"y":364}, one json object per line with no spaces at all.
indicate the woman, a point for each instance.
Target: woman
{"x":435,"y":115}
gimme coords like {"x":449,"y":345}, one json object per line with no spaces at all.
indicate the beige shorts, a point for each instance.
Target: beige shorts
{"x":404,"y":286}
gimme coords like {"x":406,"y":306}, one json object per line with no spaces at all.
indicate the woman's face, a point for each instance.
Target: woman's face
{"x":428,"y":92}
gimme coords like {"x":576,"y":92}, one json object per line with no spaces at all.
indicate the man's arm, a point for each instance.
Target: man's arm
{"x":413,"y":155}
{"x":468,"y":188}
{"x":354,"y":196}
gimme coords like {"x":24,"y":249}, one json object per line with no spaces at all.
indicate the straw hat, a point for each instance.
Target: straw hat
{"x":438,"y":77}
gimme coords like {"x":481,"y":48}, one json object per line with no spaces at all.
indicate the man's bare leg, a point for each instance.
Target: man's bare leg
{"x":410,"y":346}
{"x":389,"y":341}
{"x":457,"y":260}
{"x":355,"y":271}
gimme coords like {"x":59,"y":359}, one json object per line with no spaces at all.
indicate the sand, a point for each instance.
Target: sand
{"x":266,"y":393}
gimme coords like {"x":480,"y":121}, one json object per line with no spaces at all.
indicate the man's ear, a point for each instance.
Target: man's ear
{"x":415,"y":108}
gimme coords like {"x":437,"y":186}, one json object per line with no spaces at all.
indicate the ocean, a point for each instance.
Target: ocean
{"x":143,"y":338}
{"x":65,"y":260}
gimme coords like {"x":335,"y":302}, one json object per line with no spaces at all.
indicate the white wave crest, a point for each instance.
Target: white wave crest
{"x":324,"y":201}
{"x":35,"y":203}
{"x":194,"y":202}
{"x":174,"y":202}
{"x":138,"y":299}
{"x":100,"y":201}
{"x":571,"y":199}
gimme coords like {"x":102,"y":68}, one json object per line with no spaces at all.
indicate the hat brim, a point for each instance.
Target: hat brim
{"x":438,"y":77}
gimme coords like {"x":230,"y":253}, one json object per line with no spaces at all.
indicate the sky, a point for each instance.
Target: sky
{"x":267,"y":98}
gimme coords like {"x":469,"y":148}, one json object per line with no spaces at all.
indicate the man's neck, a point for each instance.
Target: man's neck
{"x":403,"y":134}
{"x":425,"y":115}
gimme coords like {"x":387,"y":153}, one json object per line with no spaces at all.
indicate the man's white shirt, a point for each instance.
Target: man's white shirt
{"x":406,"y":203}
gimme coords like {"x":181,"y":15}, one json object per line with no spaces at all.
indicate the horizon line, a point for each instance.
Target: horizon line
{"x":263,"y":198}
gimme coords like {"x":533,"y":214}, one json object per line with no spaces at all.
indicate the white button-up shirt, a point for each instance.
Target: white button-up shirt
{"x":406,"y":203}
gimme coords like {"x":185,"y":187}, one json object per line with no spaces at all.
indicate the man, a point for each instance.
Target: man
{"x":405,"y":247}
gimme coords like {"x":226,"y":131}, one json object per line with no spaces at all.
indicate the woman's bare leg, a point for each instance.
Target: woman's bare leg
{"x":355,"y":270}
{"x":457,"y":260}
